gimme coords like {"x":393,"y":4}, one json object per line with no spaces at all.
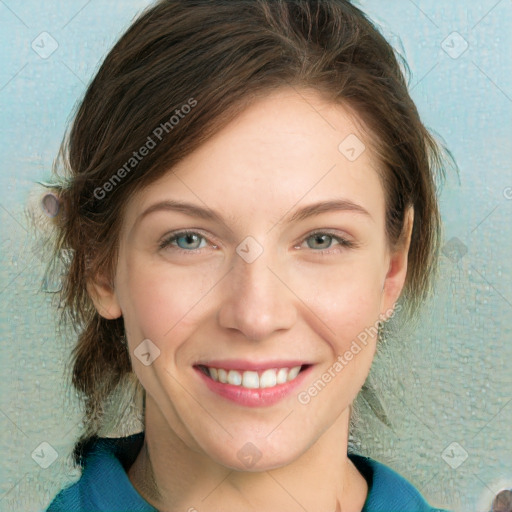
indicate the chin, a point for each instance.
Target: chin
{"x":256,"y":455}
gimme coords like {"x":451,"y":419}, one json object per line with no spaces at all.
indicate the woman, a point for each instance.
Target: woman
{"x":249,"y":192}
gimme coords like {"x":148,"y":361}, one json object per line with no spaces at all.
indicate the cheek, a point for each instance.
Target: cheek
{"x":157,"y":303}
{"x":345,"y":299}
{"x":346,"y":312}
{"x":341,"y":299}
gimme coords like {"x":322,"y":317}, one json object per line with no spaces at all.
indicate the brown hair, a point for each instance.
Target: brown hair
{"x":216,"y":57}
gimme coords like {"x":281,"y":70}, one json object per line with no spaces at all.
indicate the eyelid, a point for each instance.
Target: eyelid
{"x":170,"y":237}
{"x":343,"y":241}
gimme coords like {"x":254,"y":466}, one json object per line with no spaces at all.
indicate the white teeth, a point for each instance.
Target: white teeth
{"x":234,"y":378}
{"x":293,"y":373}
{"x":268,"y":379}
{"x":253,"y":380}
{"x":281,"y":375}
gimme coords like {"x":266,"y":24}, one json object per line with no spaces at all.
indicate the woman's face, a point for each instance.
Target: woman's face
{"x":252,"y":294}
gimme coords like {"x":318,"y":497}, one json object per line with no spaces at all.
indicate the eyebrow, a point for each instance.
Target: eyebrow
{"x":327,"y":206}
{"x":193,"y":210}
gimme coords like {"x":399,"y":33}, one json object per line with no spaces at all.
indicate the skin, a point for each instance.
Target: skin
{"x":293,"y":301}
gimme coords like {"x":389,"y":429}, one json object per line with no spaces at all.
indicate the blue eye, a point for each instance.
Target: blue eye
{"x":186,"y":241}
{"x":325,"y":240}
{"x":190,"y":242}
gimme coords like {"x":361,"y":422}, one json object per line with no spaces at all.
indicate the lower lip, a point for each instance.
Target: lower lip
{"x":261,"y":397}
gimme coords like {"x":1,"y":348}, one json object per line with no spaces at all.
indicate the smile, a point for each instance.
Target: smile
{"x":252,"y":386}
{"x":253,"y":379}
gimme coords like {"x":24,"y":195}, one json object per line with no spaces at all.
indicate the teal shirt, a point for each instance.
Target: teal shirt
{"x":104,"y":485}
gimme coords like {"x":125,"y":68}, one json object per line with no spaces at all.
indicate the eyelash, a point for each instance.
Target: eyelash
{"x":344,"y":243}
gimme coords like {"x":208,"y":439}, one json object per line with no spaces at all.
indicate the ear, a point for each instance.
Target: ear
{"x":104,"y":297}
{"x":397,"y":271}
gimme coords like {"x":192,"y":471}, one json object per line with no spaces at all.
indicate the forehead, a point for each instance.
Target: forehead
{"x":288,"y":147}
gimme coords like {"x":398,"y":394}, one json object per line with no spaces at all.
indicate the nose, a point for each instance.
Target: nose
{"x":257,"y":299}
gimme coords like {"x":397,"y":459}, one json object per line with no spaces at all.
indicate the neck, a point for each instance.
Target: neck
{"x":172,"y":475}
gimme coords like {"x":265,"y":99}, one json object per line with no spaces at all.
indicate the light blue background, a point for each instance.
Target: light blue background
{"x":449,"y":382}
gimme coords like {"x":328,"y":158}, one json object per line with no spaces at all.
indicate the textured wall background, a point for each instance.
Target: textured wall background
{"x":447,"y":386}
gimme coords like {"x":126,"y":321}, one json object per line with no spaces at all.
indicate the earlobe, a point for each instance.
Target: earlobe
{"x":104,"y":298}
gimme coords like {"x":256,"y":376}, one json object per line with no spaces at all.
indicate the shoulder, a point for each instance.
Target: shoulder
{"x":104,"y":484}
{"x":388,"y":490}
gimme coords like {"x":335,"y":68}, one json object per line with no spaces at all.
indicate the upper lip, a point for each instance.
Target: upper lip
{"x":240,"y":364}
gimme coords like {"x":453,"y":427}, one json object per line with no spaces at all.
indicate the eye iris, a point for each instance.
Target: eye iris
{"x":189,"y":239}
{"x":318,"y":238}
{"x":322,"y":239}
